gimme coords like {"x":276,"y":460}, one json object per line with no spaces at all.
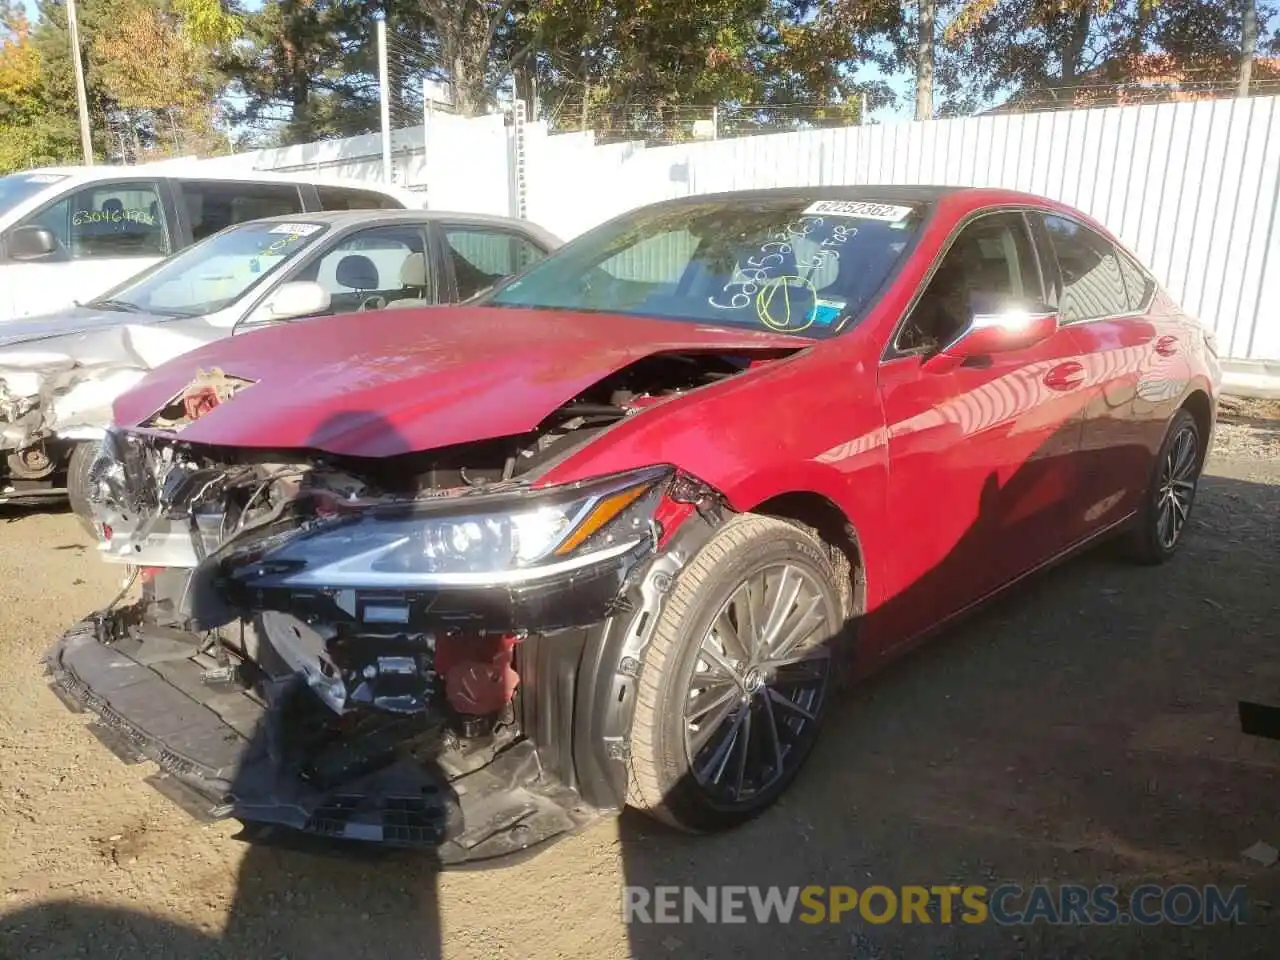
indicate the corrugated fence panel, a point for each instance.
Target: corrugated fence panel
{"x":1191,"y":188}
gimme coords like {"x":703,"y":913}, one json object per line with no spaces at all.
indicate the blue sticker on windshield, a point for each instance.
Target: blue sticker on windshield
{"x":826,"y":312}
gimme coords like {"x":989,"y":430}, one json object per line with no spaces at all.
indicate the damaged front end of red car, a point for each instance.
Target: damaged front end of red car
{"x":428,"y":650}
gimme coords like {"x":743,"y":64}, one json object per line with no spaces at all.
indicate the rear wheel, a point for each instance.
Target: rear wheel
{"x":78,"y":464}
{"x":738,"y":676}
{"x":1166,"y":506}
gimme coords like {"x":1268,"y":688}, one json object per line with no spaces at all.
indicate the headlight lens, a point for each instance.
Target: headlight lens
{"x":507,"y":539}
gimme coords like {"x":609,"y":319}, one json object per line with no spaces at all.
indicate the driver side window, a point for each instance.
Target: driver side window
{"x":991,"y":260}
{"x":373,"y":269}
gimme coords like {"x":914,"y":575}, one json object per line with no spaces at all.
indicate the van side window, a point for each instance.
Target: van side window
{"x":109,"y":220}
{"x":212,"y":205}
{"x":344,"y":198}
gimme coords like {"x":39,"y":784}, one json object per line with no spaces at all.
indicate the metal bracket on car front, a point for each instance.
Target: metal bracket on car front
{"x":653,"y":589}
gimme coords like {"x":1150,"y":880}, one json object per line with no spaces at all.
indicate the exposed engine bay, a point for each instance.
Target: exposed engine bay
{"x":413,"y":609}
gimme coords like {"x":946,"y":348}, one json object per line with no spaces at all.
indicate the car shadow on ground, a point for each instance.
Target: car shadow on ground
{"x":1080,"y":730}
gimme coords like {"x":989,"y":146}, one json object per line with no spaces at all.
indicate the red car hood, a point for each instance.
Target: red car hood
{"x":408,"y":380}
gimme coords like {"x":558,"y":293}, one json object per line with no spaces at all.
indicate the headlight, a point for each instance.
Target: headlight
{"x":496,"y":539}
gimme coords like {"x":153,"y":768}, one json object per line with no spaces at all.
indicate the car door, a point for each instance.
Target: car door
{"x":982,"y":455}
{"x":477,"y":256}
{"x":106,"y":232}
{"x":1121,"y":355}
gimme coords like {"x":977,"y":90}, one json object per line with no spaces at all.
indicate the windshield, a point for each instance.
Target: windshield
{"x":790,"y":265}
{"x":214,"y":273}
{"x":22,"y":186}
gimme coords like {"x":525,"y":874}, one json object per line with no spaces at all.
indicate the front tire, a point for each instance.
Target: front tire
{"x":738,"y":676}
{"x":1167,"y":502}
{"x":78,"y":484}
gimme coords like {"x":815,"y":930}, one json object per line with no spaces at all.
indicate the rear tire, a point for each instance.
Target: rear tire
{"x":78,"y":464}
{"x":729,"y":707}
{"x":1170,"y":495}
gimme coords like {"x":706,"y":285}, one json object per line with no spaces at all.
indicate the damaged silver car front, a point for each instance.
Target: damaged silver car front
{"x":56,"y":392}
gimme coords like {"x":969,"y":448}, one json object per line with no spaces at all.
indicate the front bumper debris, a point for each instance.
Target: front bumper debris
{"x":251,"y":752}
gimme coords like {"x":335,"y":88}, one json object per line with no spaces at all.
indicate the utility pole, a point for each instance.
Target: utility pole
{"x":82,"y":99}
{"x":384,"y":88}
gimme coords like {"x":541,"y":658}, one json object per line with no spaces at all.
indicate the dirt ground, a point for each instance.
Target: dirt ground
{"x":1083,"y":730}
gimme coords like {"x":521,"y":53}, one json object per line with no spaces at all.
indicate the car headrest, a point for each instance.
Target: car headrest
{"x":357,"y":272}
{"x":413,"y":272}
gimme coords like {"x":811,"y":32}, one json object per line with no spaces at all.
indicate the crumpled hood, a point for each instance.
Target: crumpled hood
{"x":399,"y":381}
{"x":75,"y":320}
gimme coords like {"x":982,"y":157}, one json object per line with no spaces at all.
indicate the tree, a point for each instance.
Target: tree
{"x":924,"y":58}
{"x":1248,"y":44}
{"x":1074,"y":52}
{"x":646,"y":69}
{"x":35,"y":130}
{"x":466,"y":34}
{"x":160,"y":80}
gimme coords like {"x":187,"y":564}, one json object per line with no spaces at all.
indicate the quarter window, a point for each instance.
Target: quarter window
{"x":1138,"y":285}
{"x":1092,"y":285}
{"x":991,"y":262}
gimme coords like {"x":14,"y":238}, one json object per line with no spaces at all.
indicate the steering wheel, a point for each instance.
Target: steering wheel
{"x":376,"y":302}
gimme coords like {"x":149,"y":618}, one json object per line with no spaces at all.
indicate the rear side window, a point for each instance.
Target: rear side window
{"x":1092,"y":285}
{"x":344,"y":198}
{"x":109,"y":221}
{"x":482,"y":257}
{"x":213,"y":205}
{"x":1139,"y":288}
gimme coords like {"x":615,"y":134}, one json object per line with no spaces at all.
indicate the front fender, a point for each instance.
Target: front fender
{"x":827,"y":437}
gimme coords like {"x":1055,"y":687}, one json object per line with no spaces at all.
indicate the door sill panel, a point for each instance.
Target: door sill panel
{"x":1079,"y":547}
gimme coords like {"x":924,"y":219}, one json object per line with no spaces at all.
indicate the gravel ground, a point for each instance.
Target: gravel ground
{"x":1082,"y":730}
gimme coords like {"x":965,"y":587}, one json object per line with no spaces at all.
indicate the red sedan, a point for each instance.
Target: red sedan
{"x":612,"y":532}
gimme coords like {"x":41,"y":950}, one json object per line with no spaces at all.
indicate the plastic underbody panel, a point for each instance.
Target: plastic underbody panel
{"x":268,"y":753}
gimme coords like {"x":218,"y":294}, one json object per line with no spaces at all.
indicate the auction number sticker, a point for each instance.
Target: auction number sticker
{"x":296,"y":229}
{"x":861,"y":209}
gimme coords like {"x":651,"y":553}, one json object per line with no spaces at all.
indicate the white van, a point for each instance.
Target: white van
{"x":68,"y":234}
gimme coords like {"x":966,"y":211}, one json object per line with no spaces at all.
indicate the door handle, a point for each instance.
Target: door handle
{"x":1065,"y":376}
{"x":1167,"y":346}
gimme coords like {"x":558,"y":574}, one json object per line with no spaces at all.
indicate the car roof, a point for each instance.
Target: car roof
{"x":205,"y":170}
{"x":343,"y":219}
{"x":888,"y":192}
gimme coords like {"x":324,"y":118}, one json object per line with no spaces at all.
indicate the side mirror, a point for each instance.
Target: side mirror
{"x":1009,"y":327}
{"x":31,"y":243}
{"x":299,"y":298}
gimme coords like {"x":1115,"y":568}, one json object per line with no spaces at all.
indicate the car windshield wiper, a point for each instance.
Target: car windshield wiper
{"x":123,"y":305}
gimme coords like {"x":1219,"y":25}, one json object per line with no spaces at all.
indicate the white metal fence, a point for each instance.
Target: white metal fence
{"x":1191,"y":187}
